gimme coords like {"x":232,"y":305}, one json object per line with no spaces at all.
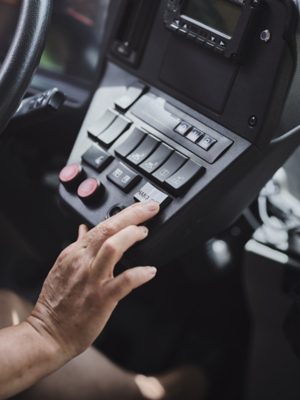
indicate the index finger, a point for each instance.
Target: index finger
{"x":134,"y":215}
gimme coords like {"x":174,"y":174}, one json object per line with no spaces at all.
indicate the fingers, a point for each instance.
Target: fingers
{"x":82,"y":230}
{"x":134,"y":215}
{"x":129,"y":280}
{"x":113,"y":249}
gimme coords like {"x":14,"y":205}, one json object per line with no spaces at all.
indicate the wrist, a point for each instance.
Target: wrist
{"x":51,"y":351}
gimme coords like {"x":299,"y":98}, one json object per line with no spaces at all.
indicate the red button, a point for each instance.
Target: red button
{"x":69,"y":173}
{"x":88,"y":189}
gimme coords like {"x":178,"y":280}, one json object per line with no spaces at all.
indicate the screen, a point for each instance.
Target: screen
{"x":222,"y":15}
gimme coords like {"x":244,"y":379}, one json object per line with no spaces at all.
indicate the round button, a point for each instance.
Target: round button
{"x":88,"y":189}
{"x":71,"y":175}
{"x":115,"y":210}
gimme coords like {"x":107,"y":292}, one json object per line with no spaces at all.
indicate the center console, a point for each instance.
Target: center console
{"x":185,"y":115}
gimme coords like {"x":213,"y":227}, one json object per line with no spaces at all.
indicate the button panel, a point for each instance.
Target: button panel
{"x":187,"y":132}
{"x":172,"y":171}
{"x":199,"y":35}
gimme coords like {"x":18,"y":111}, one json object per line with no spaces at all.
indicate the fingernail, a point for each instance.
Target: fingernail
{"x":145,"y":230}
{"x":152,"y":271}
{"x":151,"y":205}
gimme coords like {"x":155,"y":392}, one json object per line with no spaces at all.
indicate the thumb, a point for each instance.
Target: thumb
{"x":129,"y":280}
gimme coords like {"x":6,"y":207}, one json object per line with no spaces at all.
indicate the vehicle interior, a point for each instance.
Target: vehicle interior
{"x":190,"y":103}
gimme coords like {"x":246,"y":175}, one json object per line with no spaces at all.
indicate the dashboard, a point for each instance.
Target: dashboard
{"x":186,"y":115}
{"x":186,"y":112}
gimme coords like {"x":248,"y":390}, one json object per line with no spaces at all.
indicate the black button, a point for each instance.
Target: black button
{"x":183,"y":128}
{"x":115,"y":210}
{"x":207,"y":142}
{"x":143,"y":151}
{"x":169,"y":167}
{"x":97,"y":158}
{"x":130,"y":97}
{"x":101,"y":124}
{"x":161,"y":154}
{"x":195,"y":135}
{"x":130,"y":143}
{"x":123,"y":177}
{"x":184,"y":177}
{"x":150,"y":192}
{"x":114,"y":131}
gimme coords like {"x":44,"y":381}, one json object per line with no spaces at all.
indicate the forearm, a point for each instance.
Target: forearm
{"x":25,"y":357}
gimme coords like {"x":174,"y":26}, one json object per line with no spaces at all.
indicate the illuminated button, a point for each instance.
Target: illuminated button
{"x":150,"y":192}
{"x":143,"y":151}
{"x":102,"y":124}
{"x":184,"y":177}
{"x":194,"y":135}
{"x":123,"y":177}
{"x":97,"y":158}
{"x":71,"y":176}
{"x":89,"y":190}
{"x":207,"y":142}
{"x":183,"y":128}
{"x":114,"y":131}
{"x":169,"y":167}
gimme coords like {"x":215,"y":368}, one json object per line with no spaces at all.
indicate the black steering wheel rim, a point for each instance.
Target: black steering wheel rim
{"x":23,"y":56}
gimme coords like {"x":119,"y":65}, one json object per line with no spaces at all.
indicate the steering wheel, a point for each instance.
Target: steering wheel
{"x":23,"y":55}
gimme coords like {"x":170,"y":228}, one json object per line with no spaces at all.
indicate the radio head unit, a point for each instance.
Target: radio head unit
{"x":219,"y":25}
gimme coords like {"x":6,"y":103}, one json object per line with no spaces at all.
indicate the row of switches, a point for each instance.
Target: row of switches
{"x":168,"y":167}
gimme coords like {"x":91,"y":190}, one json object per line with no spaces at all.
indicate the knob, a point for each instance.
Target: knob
{"x":71,"y":176}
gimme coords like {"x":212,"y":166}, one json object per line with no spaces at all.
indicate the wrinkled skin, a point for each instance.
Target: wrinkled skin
{"x":81,"y":292}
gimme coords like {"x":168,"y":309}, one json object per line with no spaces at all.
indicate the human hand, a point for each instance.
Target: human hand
{"x":81,"y":292}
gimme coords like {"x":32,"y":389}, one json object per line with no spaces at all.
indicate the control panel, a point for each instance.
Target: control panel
{"x":141,"y":146}
{"x":187,"y":128}
{"x":218,"y":25}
